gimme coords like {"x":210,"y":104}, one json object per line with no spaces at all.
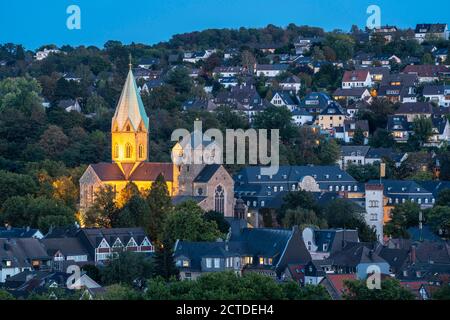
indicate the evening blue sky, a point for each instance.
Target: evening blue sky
{"x":35,"y":23}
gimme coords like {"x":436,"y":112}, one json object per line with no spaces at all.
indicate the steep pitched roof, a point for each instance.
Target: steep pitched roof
{"x":355,"y":76}
{"x":130,"y":106}
{"x":415,"y":107}
{"x":146,"y":171}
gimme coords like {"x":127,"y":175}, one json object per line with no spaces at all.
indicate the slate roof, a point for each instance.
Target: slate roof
{"x":271,"y":67}
{"x":181,"y":199}
{"x":352,"y":92}
{"x":380,"y":153}
{"x":333,"y":109}
{"x":347,"y":151}
{"x":286,"y":97}
{"x":22,"y":251}
{"x":67,"y":246}
{"x":17,"y":232}
{"x":415,"y":234}
{"x":398,"y":123}
{"x":415,"y":107}
{"x":435,"y":187}
{"x":405,"y":79}
{"x":395,"y":257}
{"x":335,"y":239}
{"x":405,"y":189}
{"x":94,"y":236}
{"x":207,"y":173}
{"x":146,"y":171}
{"x":434,"y":90}
{"x":353,"y":254}
{"x":430,"y":28}
{"x":315,"y":99}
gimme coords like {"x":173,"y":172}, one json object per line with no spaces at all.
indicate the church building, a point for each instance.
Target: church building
{"x":211,"y":186}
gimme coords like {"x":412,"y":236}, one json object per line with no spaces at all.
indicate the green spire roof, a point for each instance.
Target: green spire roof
{"x":130,"y":106}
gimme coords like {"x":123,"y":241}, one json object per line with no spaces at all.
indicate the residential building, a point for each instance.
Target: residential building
{"x":302,"y":117}
{"x":353,"y":155}
{"x":357,"y":79}
{"x":264,"y":251}
{"x":270,"y":70}
{"x":333,"y":116}
{"x":27,"y":232}
{"x":284,"y":99}
{"x":349,"y":96}
{"x":415,"y":110}
{"x":438,"y":94}
{"x":315,"y":102}
{"x":399,"y":127}
{"x":20,"y":254}
{"x":292,"y":83}
{"x":194,"y":57}
{"x":428,"y":31}
{"x":303,"y":45}
{"x":428,"y":73}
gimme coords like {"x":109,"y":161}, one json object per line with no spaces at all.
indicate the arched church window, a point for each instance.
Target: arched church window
{"x":141,"y":151}
{"x":219,"y":199}
{"x":128,"y":128}
{"x":128,"y":150}
{"x":116,"y":150}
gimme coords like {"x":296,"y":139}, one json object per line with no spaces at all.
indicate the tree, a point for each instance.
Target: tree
{"x":5,"y":295}
{"x":328,"y":152}
{"x":295,"y":200}
{"x":443,"y":293}
{"x":127,"y":268}
{"x":104,"y":211}
{"x":359,"y":138}
{"x":403,"y":216}
{"x":120,"y":292}
{"x":218,"y":217}
{"x":159,"y":205}
{"x":131,"y":190}
{"x":364,"y":173}
{"x":13,"y":184}
{"x":20,"y":94}
{"x":180,"y":80}
{"x":381,"y":139}
{"x":423,"y":129}
{"x":443,"y":198}
{"x":276,"y":118}
{"x":40,"y":212}
{"x":438,"y":218}
{"x":302,"y":217}
{"x":342,"y":213}
{"x":391,"y":289}
{"x":164,"y":264}
{"x":187,"y":223}
{"x":54,"y":142}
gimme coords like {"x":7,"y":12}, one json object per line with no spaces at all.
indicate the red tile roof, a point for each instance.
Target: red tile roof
{"x":146,"y":171}
{"x":337,"y":281}
{"x":355,"y":76}
{"x":427,"y":70}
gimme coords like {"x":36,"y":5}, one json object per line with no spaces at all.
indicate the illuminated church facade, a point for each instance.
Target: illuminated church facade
{"x":211,"y":186}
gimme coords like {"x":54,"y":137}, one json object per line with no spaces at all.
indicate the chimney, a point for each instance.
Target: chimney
{"x":413,"y":254}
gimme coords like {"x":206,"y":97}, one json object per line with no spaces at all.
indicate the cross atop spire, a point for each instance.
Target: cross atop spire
{"x":130,"y":64}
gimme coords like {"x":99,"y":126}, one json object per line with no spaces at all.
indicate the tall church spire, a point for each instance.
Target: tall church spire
{"x":130,"y":107}
{"x":129,"y":129}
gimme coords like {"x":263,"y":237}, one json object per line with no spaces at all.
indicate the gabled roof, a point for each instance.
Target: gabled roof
{"x":426,"y":70}
{"x":130,"y":106}
{"x":398,"y":123}
{"x":415,"y":107}
{"x":17,"y":232}
{"x":67,"y":246}
{"x":333,"y":109}
{"x":95,"y":236}
{"x":355,"y":76}
{"x":146,"y":171}
{"x":347,"y":151}
{"x":207,"y":173}
{"x":22,"y":251}
{"x":431,"y":27}
{"x":352,"y":92}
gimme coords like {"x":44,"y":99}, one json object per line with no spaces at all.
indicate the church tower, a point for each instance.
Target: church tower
{"x":129,"y":129}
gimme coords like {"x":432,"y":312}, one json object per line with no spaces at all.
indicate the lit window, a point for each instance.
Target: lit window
{"x":141,"y":151}
{"x":116,"y":150}
{"x":216,"y":263}
{"x":128,"y":150}
{"x":208,"y":262}
{"x":261,"y":261}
